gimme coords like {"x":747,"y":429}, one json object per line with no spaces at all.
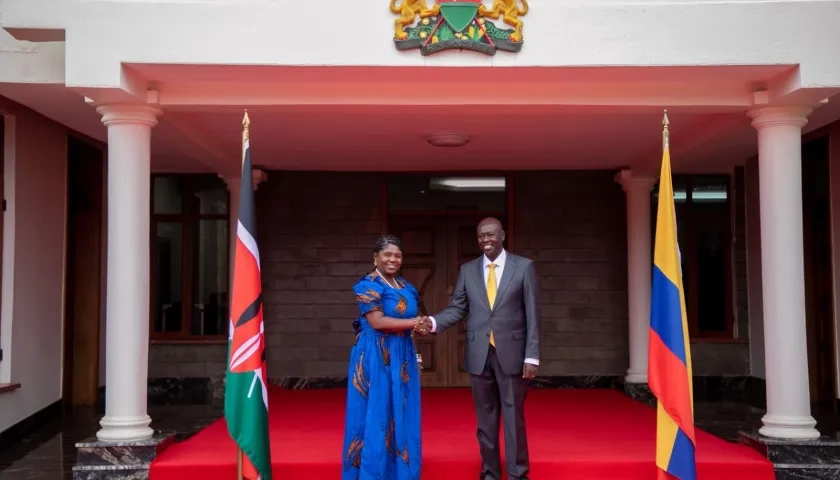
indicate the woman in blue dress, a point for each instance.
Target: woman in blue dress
{"x":382,"y":424}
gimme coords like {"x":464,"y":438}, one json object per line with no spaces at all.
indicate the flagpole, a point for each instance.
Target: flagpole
{"x":245,"y":183}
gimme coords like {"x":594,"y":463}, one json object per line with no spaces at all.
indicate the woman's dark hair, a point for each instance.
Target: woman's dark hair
{"x":383,"y":242}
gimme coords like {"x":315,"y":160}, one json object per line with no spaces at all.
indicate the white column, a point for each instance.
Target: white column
{"x":639,"y":265}
{"x":127,"y":298}
{"x":783,"y":272}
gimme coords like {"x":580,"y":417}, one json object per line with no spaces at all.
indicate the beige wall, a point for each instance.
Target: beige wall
{"x":31,"y":316}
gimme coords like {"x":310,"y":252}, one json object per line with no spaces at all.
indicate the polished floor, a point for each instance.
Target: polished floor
{"x":49,"y":453}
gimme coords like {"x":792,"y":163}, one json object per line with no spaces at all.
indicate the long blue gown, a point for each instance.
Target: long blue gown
{"x":382,"y":424}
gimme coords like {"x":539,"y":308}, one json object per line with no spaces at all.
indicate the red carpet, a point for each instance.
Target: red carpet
{"x":572,"y":434}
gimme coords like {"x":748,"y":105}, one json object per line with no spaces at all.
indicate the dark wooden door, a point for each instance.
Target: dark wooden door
{"x":424,"y":265}
{"x":434,"y":248}
{"x":462,"y":247}
{"x":83,"y":274}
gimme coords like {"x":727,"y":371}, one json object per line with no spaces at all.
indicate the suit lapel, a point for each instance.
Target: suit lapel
{"x":507,"y":274}
{"x":481,"y":285}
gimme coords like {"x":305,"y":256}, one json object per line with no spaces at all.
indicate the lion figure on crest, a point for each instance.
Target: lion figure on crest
{"x":510,"y":12}
{"x":408,"y":11}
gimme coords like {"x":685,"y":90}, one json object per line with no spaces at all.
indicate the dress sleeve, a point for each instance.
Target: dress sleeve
{"x":368,"y":296}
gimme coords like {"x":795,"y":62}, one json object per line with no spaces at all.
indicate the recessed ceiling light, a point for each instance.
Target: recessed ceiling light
{"x":468,"y":184}
{"x":448,"y":139}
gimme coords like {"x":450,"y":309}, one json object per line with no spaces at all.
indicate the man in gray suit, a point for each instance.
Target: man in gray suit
{"x":498,"y":295}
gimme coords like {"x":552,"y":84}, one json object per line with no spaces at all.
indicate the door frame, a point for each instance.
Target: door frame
{"x":509,"y":206}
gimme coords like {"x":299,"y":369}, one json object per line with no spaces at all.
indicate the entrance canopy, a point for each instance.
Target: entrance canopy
{"x":388,"y":118}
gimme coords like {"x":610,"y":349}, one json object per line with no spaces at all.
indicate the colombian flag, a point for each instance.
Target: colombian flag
{"x":669,"y":357}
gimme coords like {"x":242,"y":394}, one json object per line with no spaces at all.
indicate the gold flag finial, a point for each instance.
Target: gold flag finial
{"x":665,"y":131}
{"x":246,"y":136}
{"x":246,"y":126}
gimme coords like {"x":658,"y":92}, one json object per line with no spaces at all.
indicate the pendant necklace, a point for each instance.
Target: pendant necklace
{"x":419,"y":357}
{"x":386,"y":280}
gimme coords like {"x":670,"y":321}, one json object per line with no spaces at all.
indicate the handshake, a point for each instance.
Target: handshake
{"x":422,"y":325}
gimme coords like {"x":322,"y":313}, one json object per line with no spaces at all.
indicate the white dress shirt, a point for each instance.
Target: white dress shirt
{"x":500,"y":268}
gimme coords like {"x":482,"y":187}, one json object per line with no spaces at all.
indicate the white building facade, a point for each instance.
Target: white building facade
{"x":159,"y":88}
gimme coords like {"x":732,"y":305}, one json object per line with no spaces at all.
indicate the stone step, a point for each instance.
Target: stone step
{"x":112,"y":472}
{"x":94,"y":453}
{"x":807,"y":472}
{"x":822,"y":451}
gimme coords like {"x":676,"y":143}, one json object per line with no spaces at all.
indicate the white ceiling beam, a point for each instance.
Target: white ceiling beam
{"x":424,"y":93}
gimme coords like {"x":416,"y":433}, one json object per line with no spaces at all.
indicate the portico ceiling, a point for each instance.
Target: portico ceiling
{"x":374,"y":137}
{"x":564,"y":118}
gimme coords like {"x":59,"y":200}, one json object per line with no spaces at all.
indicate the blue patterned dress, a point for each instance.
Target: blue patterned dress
{"x":382,"y":425}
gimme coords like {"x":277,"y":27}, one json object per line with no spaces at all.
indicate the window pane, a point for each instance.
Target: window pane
{"x":210,"y":278}
{"x":709,"y":189}
{"x":168,"y":194}
{"x":711,"y":271}
{"x":678,"y":183}
{"x":682,"y":231}
{"x":168,"y":282}
{"x":682,"y":244}
{"x":210,"y":195}
{"x":702,"y":226}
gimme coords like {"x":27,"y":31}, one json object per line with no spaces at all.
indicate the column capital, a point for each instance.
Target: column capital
{"x":258,"y":176}
{"x":634,"y":180}
{"x":129,"y":113}
{"x":228,"y":180}
{"x":784,"y":115}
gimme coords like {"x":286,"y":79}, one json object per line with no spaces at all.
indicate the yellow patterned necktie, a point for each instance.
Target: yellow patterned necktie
{"x":491,"y":294}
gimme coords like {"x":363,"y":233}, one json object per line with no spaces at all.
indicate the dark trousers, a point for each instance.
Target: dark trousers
{"x":496,"y":394}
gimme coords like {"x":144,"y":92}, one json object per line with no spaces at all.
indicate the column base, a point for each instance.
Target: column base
{"x":124,"y":429}
{"x":789,"y":427}
{"x":639,"y":392}
{"x":97,"y":460}
{"x":636,"y":378}
{"x":797,"y":459}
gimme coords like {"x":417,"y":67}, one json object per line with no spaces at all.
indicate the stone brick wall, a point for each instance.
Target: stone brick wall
{"x":578,"y":237}
{"x":190,"y":361}
{"x":316,"y":232}
{"x":573,"y":225}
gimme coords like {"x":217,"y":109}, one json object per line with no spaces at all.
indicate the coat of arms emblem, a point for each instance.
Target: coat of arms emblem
{"x":458,"y":24}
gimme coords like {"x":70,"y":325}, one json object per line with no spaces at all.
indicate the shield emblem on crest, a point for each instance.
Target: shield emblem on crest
{"x":458,"y":14}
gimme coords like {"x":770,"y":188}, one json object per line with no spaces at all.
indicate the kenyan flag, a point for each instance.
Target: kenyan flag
{"x":246,"y":396}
